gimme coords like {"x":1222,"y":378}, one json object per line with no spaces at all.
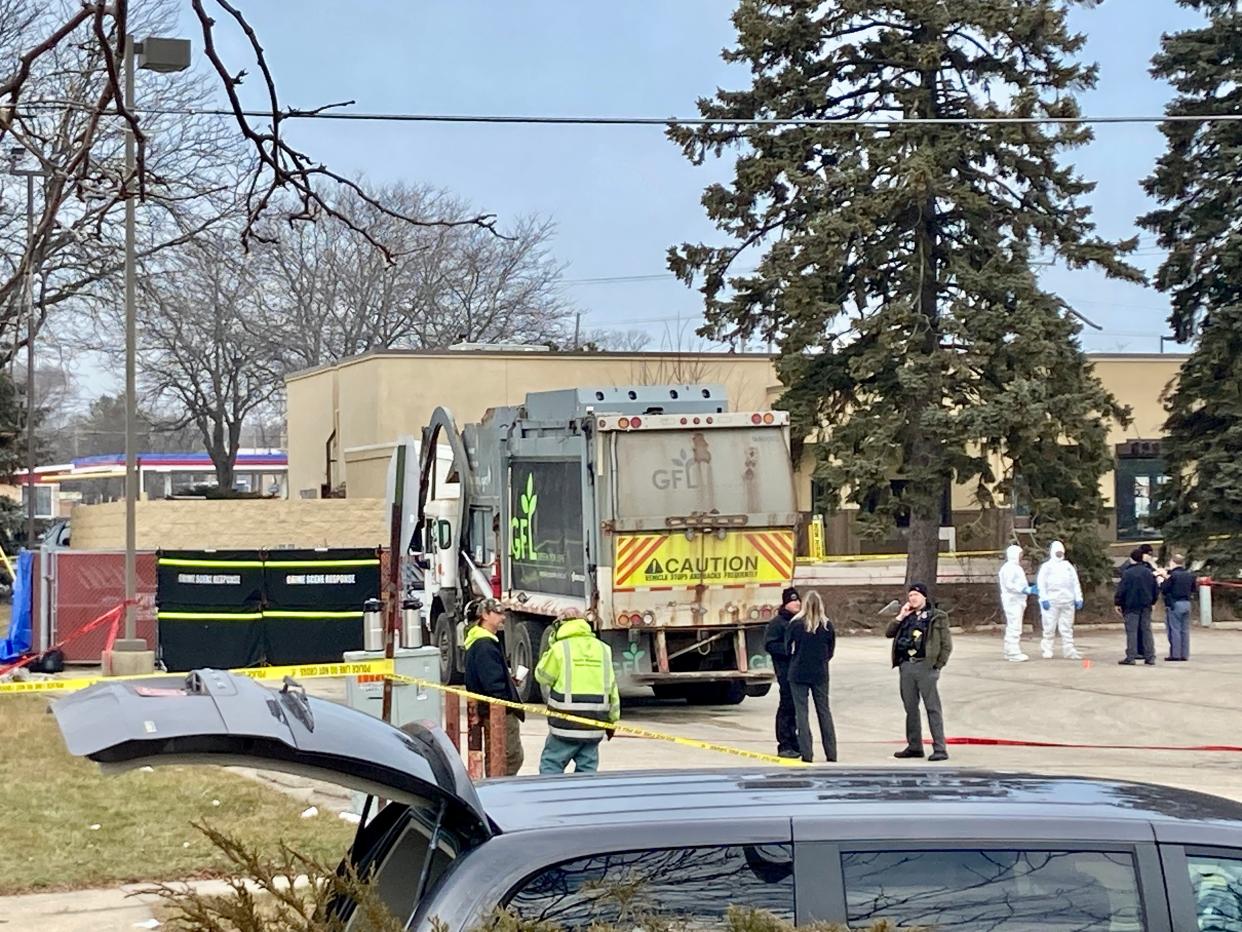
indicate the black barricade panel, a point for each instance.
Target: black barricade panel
{"x":310,"y":639}
{"x":217,"y":578}
{"x":328,"y":580}
{"x":244,"y":608}
{"x":191,"y":637}
{"x":313,"y":610}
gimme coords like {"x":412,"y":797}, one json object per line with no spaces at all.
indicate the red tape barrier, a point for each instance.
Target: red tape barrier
{"x":1208,"y":581}
{"x":1015,"y":743}
{"x":112,"y":615}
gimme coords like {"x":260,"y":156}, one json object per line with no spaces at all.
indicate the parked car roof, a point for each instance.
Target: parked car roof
{"x":527,"y":803}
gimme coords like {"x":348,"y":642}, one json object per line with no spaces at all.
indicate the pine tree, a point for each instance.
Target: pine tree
{"x":895,"y":265}
{"x":1196,"y":183}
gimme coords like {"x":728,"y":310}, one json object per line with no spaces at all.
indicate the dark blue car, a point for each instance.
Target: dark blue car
{"x":949,"y":849}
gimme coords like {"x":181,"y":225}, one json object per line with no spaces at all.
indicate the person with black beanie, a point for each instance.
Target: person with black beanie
{"x":776,"y":641}
{"x":1136,"y":593}
{"x":922,"y":644}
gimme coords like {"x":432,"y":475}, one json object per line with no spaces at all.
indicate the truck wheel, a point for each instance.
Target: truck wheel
{"x":445,"y":638}
{"x":758,"y":690}
{"x":530,"y":640}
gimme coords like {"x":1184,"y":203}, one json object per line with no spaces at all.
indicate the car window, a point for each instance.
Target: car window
{"x":1001,"y":891}
{"x":393,"y":849}
{"x":1217,"y":883}
{"x":697,"y":885}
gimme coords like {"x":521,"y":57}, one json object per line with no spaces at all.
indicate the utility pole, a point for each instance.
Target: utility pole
{"x":577,"y":328}
{"x":30,"y":367}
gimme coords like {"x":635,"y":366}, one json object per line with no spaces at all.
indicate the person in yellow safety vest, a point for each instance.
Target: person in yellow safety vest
{"x":577,"y":672}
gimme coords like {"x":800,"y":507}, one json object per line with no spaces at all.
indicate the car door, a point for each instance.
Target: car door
{"x":974,"y":872}
{"x":216,"y":717}
{"x":1205,"y":886}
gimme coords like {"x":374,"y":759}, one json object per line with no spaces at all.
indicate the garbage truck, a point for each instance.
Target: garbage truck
{"x":664,"y":518}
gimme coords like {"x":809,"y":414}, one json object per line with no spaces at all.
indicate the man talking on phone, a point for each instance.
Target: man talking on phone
{"x":487,"y":674}
{"x":921,"y":648}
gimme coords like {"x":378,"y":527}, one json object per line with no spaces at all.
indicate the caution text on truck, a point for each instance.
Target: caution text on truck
{"x":741,"y":558}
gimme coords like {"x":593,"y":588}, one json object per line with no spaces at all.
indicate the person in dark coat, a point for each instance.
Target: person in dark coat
{"x":812,"y":642}
{"x":487,"y":674}
{"x":776,"y":640}
{"x":1136,"y":594}
{"x":1178,"y":589}
{"x":922,"y":644}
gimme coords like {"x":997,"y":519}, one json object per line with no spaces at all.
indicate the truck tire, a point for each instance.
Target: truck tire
{"x":758,"y":690}
{"x":726,"y":692}
{"x":444,"y":634}
{"x":530,"y":640}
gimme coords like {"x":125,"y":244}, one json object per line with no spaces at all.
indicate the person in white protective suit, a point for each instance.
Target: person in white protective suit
{"x":1060,"y":595}
{"x":1014,"y":589}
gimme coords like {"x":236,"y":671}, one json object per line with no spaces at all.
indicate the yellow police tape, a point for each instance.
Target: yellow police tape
{"x":385,"y":668}
{"x":307,"y":671}
{"x":619,"y":727}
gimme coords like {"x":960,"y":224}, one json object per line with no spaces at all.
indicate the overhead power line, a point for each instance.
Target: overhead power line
{"x":328,"y":113}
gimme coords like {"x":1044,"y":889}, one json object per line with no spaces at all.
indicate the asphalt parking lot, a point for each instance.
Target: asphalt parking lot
{"x":1093,"y":702}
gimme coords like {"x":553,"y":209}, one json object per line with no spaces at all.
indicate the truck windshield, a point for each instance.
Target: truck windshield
{"x":729,"y":470}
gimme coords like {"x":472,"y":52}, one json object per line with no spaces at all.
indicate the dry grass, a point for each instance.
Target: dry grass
{"x":49,"y":802}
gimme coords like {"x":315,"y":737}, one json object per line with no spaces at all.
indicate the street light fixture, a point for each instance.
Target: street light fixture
{"x":18,"y":155}
{"x":164,"y":56}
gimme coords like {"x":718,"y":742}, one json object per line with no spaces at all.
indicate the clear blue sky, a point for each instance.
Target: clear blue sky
{"x":621,"y":195}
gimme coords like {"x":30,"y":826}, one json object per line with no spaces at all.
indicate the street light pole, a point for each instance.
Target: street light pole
{"x":162,"y":55}
{"x":131,"y":381}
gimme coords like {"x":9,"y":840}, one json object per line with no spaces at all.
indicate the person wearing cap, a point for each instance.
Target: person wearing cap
{"x":487,"y":674}
{"x":922,"y":644}
{"x":776,"y":640}
{"x":1136,"y":593}
{"x":577,"y":671}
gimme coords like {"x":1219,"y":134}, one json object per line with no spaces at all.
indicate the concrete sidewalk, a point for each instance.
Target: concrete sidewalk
{"x":1089,"y":703}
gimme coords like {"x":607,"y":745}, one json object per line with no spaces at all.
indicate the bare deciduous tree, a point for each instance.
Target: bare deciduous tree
{"x":62,"y":100}
{"x":329,"y":295}
{"x":191,"y":162}
{"x":201,"y":358}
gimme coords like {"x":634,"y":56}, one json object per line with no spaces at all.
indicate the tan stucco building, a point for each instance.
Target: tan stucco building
{"x":344,"y":419}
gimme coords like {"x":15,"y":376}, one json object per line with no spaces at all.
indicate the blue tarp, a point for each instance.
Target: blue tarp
{"x":21,"y":632}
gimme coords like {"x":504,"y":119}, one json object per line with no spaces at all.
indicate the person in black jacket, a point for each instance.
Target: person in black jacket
{"x":1136,"y":594}
{"x":812,"y":642}
{"x":776,"y":640}
{"x":1178,"y":589}
{"x":487,"y":674}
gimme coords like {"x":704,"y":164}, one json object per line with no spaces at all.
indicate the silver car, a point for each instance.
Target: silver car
{"x":952,"y":849}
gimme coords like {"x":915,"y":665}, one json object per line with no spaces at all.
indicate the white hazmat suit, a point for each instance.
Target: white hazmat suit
{"x":1013,"y":592}
{"x":1060,"y":595}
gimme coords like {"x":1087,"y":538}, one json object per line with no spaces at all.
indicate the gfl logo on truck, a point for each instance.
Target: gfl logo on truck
{"x":521,"y":526}
{"x":680,"y":476}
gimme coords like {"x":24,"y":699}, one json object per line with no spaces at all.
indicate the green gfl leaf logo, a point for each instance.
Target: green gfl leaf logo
{"x":522,"y":526}
{"x":630,"y":658}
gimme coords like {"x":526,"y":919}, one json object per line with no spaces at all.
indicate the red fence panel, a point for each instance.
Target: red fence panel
{"x":85,"y":584}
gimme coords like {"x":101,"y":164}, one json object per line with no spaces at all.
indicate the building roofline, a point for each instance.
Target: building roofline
{"x":637,"y":356}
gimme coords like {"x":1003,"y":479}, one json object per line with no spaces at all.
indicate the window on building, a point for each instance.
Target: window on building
{"x":897,"y":488}
{"x":1001,"y":891}
{"x":1140,"y":472}
{"x":1217,"y":883}
{"x":694,"y":885}
{"x":43,"y":500}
